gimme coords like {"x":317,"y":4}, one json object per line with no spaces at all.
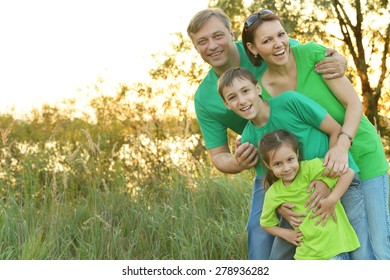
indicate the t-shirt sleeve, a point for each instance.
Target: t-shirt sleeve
{"x":316,"y":169}
{"x":214,"y":133}
{"x":308,"y":110}
{"x":268,"y":216}
{"x":314,"y":52}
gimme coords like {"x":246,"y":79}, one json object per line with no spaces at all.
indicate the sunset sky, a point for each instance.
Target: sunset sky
{"x":51,"y":48}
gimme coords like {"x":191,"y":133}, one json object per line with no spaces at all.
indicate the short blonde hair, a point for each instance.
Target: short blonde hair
{"x":199,"y":19}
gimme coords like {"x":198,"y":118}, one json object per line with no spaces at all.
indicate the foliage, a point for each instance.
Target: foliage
{"x":172,"y":222}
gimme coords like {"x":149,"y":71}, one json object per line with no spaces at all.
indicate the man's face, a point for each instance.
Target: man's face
{"x":215,"y":43}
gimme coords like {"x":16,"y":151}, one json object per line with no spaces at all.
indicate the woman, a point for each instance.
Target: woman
{"x":265,"y":40}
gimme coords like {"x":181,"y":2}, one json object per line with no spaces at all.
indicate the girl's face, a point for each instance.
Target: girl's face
{"x":271,"y":43}
{"x":283,"y":162}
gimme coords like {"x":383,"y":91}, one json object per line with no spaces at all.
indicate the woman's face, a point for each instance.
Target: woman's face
{"x":271,"y":42}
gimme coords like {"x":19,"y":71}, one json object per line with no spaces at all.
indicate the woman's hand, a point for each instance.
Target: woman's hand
{"x":336,"y":161}
{"x":293,"y":218}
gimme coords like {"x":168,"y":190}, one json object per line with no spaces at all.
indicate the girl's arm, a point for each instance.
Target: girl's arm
{"x":291,"y":235}
{"x":336,"y":159}
{"x":328,"y":205}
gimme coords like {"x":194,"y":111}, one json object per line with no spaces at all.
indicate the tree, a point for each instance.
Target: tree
{"x":365,"y":31}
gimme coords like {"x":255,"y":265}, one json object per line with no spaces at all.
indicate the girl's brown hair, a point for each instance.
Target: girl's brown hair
{"x":273,"y":141}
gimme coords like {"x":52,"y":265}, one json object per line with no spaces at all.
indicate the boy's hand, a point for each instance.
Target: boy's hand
{"x":321,"y":191}
{"x":246,"y":155}
{"x":285,"y":210}
{"x":326,"y":209}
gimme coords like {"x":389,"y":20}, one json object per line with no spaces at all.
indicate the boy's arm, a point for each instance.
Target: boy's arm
{"x":245,"y":157}
{"x":290,"y":235}
{"x":328,"y":205}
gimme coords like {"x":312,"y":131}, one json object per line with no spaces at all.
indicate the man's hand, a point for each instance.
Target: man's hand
{"x":332,"y":66}
{"x":246,"y":155}
{"x":285,"y":210}
{"x":321,"y":191}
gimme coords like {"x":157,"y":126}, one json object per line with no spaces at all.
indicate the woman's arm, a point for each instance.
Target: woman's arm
{"x":343,"y":90}
{"x":336,"y":159}
{"x":291,"y":235}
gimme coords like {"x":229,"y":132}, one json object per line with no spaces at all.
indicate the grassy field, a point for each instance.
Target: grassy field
{"x":206,"y":221}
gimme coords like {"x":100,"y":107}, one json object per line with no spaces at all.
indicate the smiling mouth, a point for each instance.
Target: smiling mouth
{"x":246,"y":108}
{"x":280,"y":53}
{"x":215,"y":54}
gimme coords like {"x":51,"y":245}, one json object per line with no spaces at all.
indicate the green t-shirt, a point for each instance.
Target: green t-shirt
{"x":300,"y":116}
{"x":319,"y":243}
{"x":367,"y":146}
{"x":213,"y":117}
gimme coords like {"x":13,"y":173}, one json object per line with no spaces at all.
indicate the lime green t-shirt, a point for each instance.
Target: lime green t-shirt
{"x":319,"y":243}
{"x":367,"y":146}
{"x":300,"y":116}
{"x":213,"y":117}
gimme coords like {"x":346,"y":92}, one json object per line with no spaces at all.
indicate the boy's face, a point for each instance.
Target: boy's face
{"x":243,"y":98}
{"x":215,"y":43}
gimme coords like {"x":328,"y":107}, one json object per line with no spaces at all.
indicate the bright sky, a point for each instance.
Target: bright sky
{"x":51,"y":48}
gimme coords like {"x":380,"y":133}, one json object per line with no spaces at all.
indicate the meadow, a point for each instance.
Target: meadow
{"x":88,"y":201}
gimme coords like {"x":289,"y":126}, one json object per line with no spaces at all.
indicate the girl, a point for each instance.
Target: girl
{"x":288,"y":178}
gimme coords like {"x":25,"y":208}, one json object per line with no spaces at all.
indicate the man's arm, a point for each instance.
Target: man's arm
{"x":332,"y":66}
{"x":245,"y":157}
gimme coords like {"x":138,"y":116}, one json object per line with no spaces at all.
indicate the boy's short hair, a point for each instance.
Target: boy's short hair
{"x":199,"y":19}
{"x":227,"y":78}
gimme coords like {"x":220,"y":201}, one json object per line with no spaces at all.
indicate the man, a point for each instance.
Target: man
{"x":211,"y":35}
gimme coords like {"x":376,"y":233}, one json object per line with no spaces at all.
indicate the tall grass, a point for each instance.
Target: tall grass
{"x":171,"y":221}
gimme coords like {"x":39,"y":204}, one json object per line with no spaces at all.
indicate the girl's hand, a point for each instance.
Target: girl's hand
{"x":285,"y":210}
{"x":326,"y":209}
{"x":293,"y":236}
